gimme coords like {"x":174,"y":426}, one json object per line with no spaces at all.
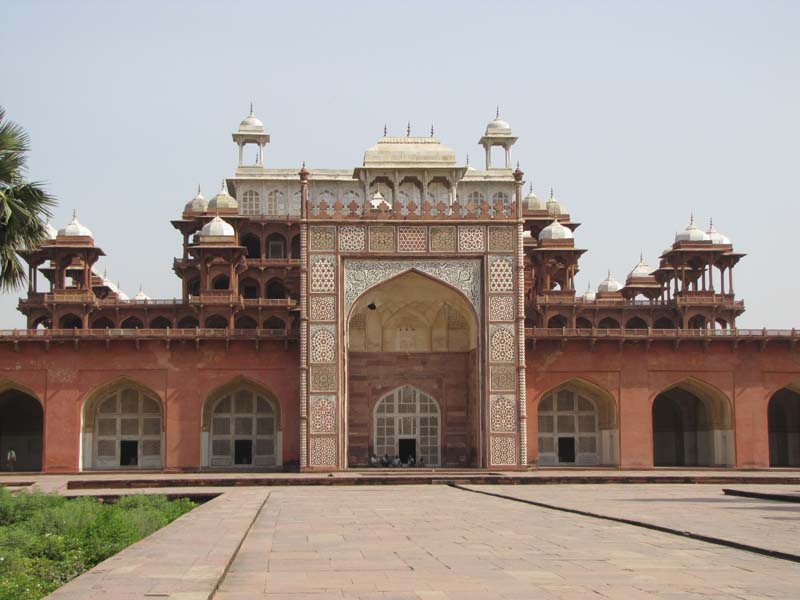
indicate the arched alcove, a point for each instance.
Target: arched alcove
{"x":692,"y":426}
{"x":241,"y":427}
{"x":407,"y":423}
{"x":578,"y":426}
{"x":21,"y":428}
{"x":122,"y":428}
{"x":216,"y":322}
{"x":783,"y":414}
{"x":414,"y":332}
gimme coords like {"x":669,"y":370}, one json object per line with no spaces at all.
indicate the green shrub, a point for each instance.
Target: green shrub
{"x":46,"y":540}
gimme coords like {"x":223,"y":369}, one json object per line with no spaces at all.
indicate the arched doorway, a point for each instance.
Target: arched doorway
{"x":417,"y":334}
{"x":783,"y":413}
{"x":123,"y":429}
{"x":406,"y":423}
{"x":21,"y":428}
{"x":692,"y":427}
{"x":242,"y":429}
{"x":577,"y":425}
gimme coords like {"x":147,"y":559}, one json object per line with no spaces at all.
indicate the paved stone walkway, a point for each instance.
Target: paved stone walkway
{"x":437,"y":542}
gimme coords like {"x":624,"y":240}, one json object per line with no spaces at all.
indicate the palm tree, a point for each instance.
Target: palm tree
{"x":23,"y":204}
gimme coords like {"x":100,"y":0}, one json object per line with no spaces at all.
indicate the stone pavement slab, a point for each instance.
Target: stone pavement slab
{"x":183,"y":561}
{"x":700,"y":509}
{"x":437,"y":542}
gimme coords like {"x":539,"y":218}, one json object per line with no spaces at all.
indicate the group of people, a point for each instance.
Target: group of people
{"x":387,"y":461}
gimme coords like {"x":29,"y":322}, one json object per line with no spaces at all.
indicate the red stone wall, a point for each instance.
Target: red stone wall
{"x":63,"y":378}
{"x":443,"y":375}
{"x":634,"y":375}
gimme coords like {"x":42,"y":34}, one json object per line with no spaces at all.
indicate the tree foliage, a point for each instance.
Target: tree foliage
{"x":24,"y":205}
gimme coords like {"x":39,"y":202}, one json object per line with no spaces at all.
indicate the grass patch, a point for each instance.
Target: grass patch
{"x":46,"y":540}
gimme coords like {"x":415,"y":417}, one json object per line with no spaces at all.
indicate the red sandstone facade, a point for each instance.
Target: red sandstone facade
{"x":410,"y":307}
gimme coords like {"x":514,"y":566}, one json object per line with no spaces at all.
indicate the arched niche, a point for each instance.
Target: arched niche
{"x":578,"y":425}
{"x":692,"y":426}
{"x":241,"y":427}
{"x":21,"y":426}
{"x":123,"y":427}
{"x":783,"y":416}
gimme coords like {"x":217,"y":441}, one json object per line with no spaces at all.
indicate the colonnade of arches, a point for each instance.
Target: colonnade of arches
{"x":697,"y":321}
{"x":215,"y":321}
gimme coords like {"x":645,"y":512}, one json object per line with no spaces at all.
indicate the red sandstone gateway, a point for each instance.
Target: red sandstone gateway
{"x":410,"y":309}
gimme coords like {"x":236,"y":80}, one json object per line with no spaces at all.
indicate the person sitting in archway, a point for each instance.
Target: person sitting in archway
{"x":411,"y":461}
{"x":11,"y":459}
{"x":385,"y":461}
{"x":421,"y":461}
{"x":396,"y":461}
{"x":373,"y":460}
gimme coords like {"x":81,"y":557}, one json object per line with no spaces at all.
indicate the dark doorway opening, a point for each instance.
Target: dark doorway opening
{"x":408,"y":449}
{"x":566,"y":449}
{"x":21,"y":428}
{"x":243,"y":452}
{"x":128,"y":453}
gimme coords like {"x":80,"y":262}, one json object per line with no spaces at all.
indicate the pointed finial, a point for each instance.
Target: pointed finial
{"x":74,"y":214}
{"x":467,"y":159}
{"x":517,"y":165}
{"x":691,"y":219}
{"x":497,"y":114}
{"x":530,"y":189}
{"x":105,"y":273}
{"x":304,"y":164}
{"x":140,"y":288}
{"x":711,"y":222}
{"x":552,"y":193}
{"x":609,"y":273}
{"x":251,"y":107}
{"x":431,"y":129}
{"x":222,"y":189}
{"x":408,"y":129}
{"x":385,"y":130}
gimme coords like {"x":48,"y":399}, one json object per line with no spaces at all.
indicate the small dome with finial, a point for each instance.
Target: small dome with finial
{"x":198,"y":204}
{"x":609,"y":284}
{"x":554,"y":207}
{"x":251,"y":123}
{"x":222,"y":200}
{"x":715,"y":236}
{"x":589,"y":295}
{"x":498,"y":125}
{"x":50,"y":232}
{"x":140,"y":295}
{"x":555,"y":231}
{"x":642,"y":269}
{"x":533,"y":202}
{"x":692,"y":233}
{"x":216,"y":227}
{"x":74,"y":229}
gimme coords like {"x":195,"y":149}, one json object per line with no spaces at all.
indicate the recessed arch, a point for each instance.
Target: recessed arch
{"x":253,"y":245}
{"x":103,"y":323}
{"x":122,"y":426}
{"x":188,"y":322}
{"x":249,"y":288}
{"x":241,"y":426}
{"x":692,"y":425}
{"x":276,"y":246}
{"x":274,"y":323}
{"x":697,"y":322}
{"x":70,"y":321}
{"x":221,"y":282}
{"x":21,"y":426}
{"x":161,"y":322}
{"x":275,"y":289}
{"x":578,"y":425}
{"x":407,"y":423}
{"x":608,"y":323}
{"x":783,"y":422}
{"x":245,"y":322}
{"x":636,"y":323}
{"x":557,"y":322}
{"x":583,"y":323}
{"x":217,"y":322}
{"x":664,"y":323}
{"x":132,"y":323}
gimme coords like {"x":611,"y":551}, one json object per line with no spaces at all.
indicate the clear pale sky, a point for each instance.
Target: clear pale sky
{"x":637,"y":113}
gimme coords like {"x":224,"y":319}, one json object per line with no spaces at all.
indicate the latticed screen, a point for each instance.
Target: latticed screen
{"x":569,"y":414}
{"x":128,"y":414}
{"x":408,"y":413}
{"x":243,"y":416}
{"x":251,"y":203}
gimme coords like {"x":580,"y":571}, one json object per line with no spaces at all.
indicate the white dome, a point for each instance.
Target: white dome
{"x":533,"y":202}
{"x":498,"y":126}
{"x":222,"y":200}
{"x":50,"y":231}
{"x":692,"y":234}
{"x":217,"y":227}
{"x":609,"y":284}
{"x":589,"y":295}
{"x":198,"y":204}
{"x":715,"y":236}
{"x":640,"y":270}
{"x":554,"y":207}
{"x":140,"y":295}
{"x":251,"y":123}
{"x":555,"y":231}
{"x":74,"y":229}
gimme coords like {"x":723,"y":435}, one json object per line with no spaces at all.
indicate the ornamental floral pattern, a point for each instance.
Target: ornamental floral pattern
{"x":323,"y":452}
{"x":381,"y":239}
{"x":360,"y":275}
{"x":501,"y":308}
{"x":501,"y":239}
{"x":501,"y":343}
{"x":501,"y":274}
{"x":323,"y":414}
{"x":412,"y":239}
{"x":323,"y":273}
{"x":502,"y":379}
{"x":323,"y":308}
{"x":323,"y":378}
{"x":443,"y":239}
{"x":503,"y":450}
{"x":322,"y":238}
{"x":503,"y":413}
{"x":471,"y":239}
{"x":322,"y":348}
{"x":352,"y":238}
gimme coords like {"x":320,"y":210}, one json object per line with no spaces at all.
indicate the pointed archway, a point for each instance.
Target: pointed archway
{"x":21,"y":429}
{"x":783,"y":413}
{"x":413,"y":335}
